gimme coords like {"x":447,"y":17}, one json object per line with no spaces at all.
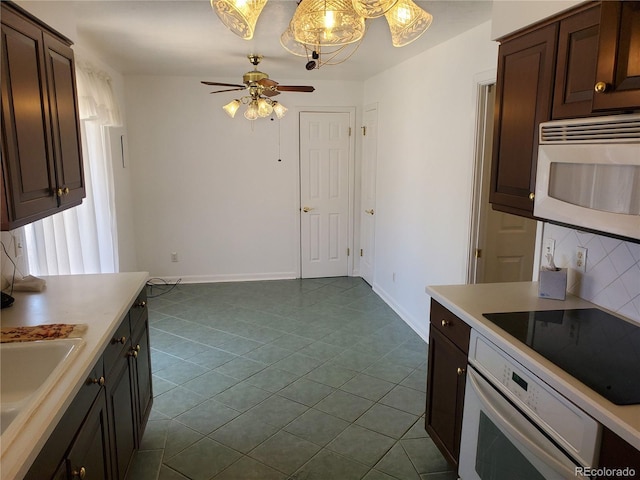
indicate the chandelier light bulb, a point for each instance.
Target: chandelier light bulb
{"x":264,"y":108}
{"x":251,"y":113}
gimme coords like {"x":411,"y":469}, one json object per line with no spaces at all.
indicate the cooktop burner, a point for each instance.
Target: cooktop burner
{"x":599,"y":349}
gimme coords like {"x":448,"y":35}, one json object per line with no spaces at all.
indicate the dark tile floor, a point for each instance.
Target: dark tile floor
{"x":313,"y":379}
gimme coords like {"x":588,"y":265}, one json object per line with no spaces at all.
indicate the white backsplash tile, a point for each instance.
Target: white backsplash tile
{"x":612,"y":276}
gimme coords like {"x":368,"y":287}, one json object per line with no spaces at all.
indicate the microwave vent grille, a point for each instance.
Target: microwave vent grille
{"x":609,"y":129}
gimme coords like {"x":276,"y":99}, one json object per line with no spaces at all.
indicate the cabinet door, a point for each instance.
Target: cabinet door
{"x":89,"y":455}
{"x":27,"y":166}
{"x":576,"y":64}
{"x":523,"y":100}
{"x":445,"y":394}
{"x":121,"y":413}
{"x":64,"y":120}
{"x":618,"y":68}
{"x":144,"y":394}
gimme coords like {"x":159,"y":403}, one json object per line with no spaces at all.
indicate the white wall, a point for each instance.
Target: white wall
{"x":211,"y":188}
{"x":426,"y":126}
{"x":509,"y":16}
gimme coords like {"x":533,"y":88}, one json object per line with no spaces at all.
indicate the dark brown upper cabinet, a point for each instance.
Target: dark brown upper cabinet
{"x":576,"y":64}
{"x":617,"y":80}
{"x":42,"y":169}
{"x":523,"y":100}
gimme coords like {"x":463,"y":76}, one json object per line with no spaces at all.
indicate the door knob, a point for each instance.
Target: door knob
{"x":307,"y":209}
{"x":370,"y":212}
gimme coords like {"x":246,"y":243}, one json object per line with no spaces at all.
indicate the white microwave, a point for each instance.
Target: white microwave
{"x":588,"y":174}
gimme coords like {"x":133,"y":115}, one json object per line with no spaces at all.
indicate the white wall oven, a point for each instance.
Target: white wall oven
{"x":588,"y":174}
{"x":514,"y":427}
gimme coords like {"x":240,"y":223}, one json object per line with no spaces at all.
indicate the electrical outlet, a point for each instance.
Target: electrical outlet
{"x":548,"y":247}
{"x":581,"y":259}
{"x":174,"y":256}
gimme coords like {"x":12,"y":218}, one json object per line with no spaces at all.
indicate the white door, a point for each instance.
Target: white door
{"x":504,"y":244}
{"x":324,"y":193}
{"x":368,"y":197}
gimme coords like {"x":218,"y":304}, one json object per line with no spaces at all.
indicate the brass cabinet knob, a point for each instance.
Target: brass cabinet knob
{"x":601,"y":87}
{"x":79,"y":473}
{"x":59,"y":192}
{"x":445,"y":323}
{"x":370,"y":212}
{"x":121,"y":340}
{"x":532,"y":196}
{"x":461,"y":371}
{"x":307,"y":209}
{"x":133,"y":353}
{"x":141,"y":304}
{"x":66,"y":190}
{"x":137,"y":349}
{"x":98,"y":381}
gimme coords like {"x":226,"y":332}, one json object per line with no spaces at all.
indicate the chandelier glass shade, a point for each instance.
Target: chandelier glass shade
{"x":327,"y":23}
{"x":239,"y":16}
{"x":373,"y":8}
{"x":407,"y":22}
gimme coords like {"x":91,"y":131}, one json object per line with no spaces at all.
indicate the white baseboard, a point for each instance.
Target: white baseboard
{"x":420,"y":326}
{"x":243,"y":277}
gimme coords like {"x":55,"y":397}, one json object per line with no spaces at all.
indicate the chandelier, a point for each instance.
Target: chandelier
{"x":328,"y":24}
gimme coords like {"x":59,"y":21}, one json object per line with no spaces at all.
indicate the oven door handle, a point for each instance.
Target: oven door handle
{"x":492,"y":402}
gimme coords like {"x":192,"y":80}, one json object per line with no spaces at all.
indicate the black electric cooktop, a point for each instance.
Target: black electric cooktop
{"x":599,"y":349}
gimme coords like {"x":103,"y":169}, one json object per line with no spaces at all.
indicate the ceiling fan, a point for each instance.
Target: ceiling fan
{"x":260,"y":82}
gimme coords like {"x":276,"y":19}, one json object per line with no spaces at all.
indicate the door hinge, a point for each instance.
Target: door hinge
{"x":361,"y":252}
{"x":478,"y":253}
{"x":364,"y":131}
{"x":348,"y":252}
{"x":349,"y":131}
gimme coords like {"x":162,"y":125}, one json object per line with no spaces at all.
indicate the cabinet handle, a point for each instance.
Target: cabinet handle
{"x":98,"y":381}
{"x":59,"y":192}
{"x":532,"y":196}
{"x":66,"y":190}
{"x":137,"y":349}
{"x":461,"y":371}
{"x":79,"y":473}
{"x":141,"y":304}
{"x":121,"y":340}
{"x":133,"y":353}
{"x":601,"y":87}
{"x":445,"y":323}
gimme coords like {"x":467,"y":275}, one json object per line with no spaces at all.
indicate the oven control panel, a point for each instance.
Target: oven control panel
{"x":560,"y":418}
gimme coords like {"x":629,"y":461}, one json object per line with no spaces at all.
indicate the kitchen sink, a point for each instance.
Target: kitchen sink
{"x":28,"y":370}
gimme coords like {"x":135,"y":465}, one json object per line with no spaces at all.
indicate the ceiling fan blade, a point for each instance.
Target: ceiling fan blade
{"x":267,"y":82}
{"x":218,"y":84}
{"x":295,"y":88}
{"x":229,"y":90}
{"x":267,"y":92}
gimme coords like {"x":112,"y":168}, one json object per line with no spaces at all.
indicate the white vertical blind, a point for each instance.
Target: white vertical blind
{"x":83,"y":239}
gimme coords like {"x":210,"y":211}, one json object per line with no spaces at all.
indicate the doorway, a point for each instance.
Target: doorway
{"x":502,"y":245}
{"x":325,"y":160}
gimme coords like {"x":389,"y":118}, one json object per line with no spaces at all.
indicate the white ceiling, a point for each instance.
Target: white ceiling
{"x":185,"y":37}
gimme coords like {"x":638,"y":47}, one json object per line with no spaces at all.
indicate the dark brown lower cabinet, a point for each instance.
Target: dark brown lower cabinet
{"x":446,"y":377}
{"x":616,"y":453}
{"x":103,"y":426}
{"x":89,"y":453}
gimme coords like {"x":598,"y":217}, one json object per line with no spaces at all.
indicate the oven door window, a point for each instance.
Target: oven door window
{"x":500,"y":443}
{"x":497,"y":458}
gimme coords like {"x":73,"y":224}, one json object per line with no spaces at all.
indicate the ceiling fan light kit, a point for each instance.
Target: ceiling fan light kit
{"x":373,"y":8}
{"x":327,"y":23}
{"x":261,"y":89}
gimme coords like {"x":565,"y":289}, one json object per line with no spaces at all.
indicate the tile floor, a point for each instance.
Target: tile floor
{"x":312,"y":379}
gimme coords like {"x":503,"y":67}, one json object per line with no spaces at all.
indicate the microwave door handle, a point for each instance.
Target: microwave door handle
{"x":493,"y":403}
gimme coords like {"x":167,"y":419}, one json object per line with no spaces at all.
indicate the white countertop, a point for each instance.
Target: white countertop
{"x":100,"y":302}
{"x":469,"y":302}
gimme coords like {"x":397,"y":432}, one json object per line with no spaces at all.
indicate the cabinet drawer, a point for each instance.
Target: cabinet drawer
{"x":117,"y":344}
{"x":450,"y":326}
